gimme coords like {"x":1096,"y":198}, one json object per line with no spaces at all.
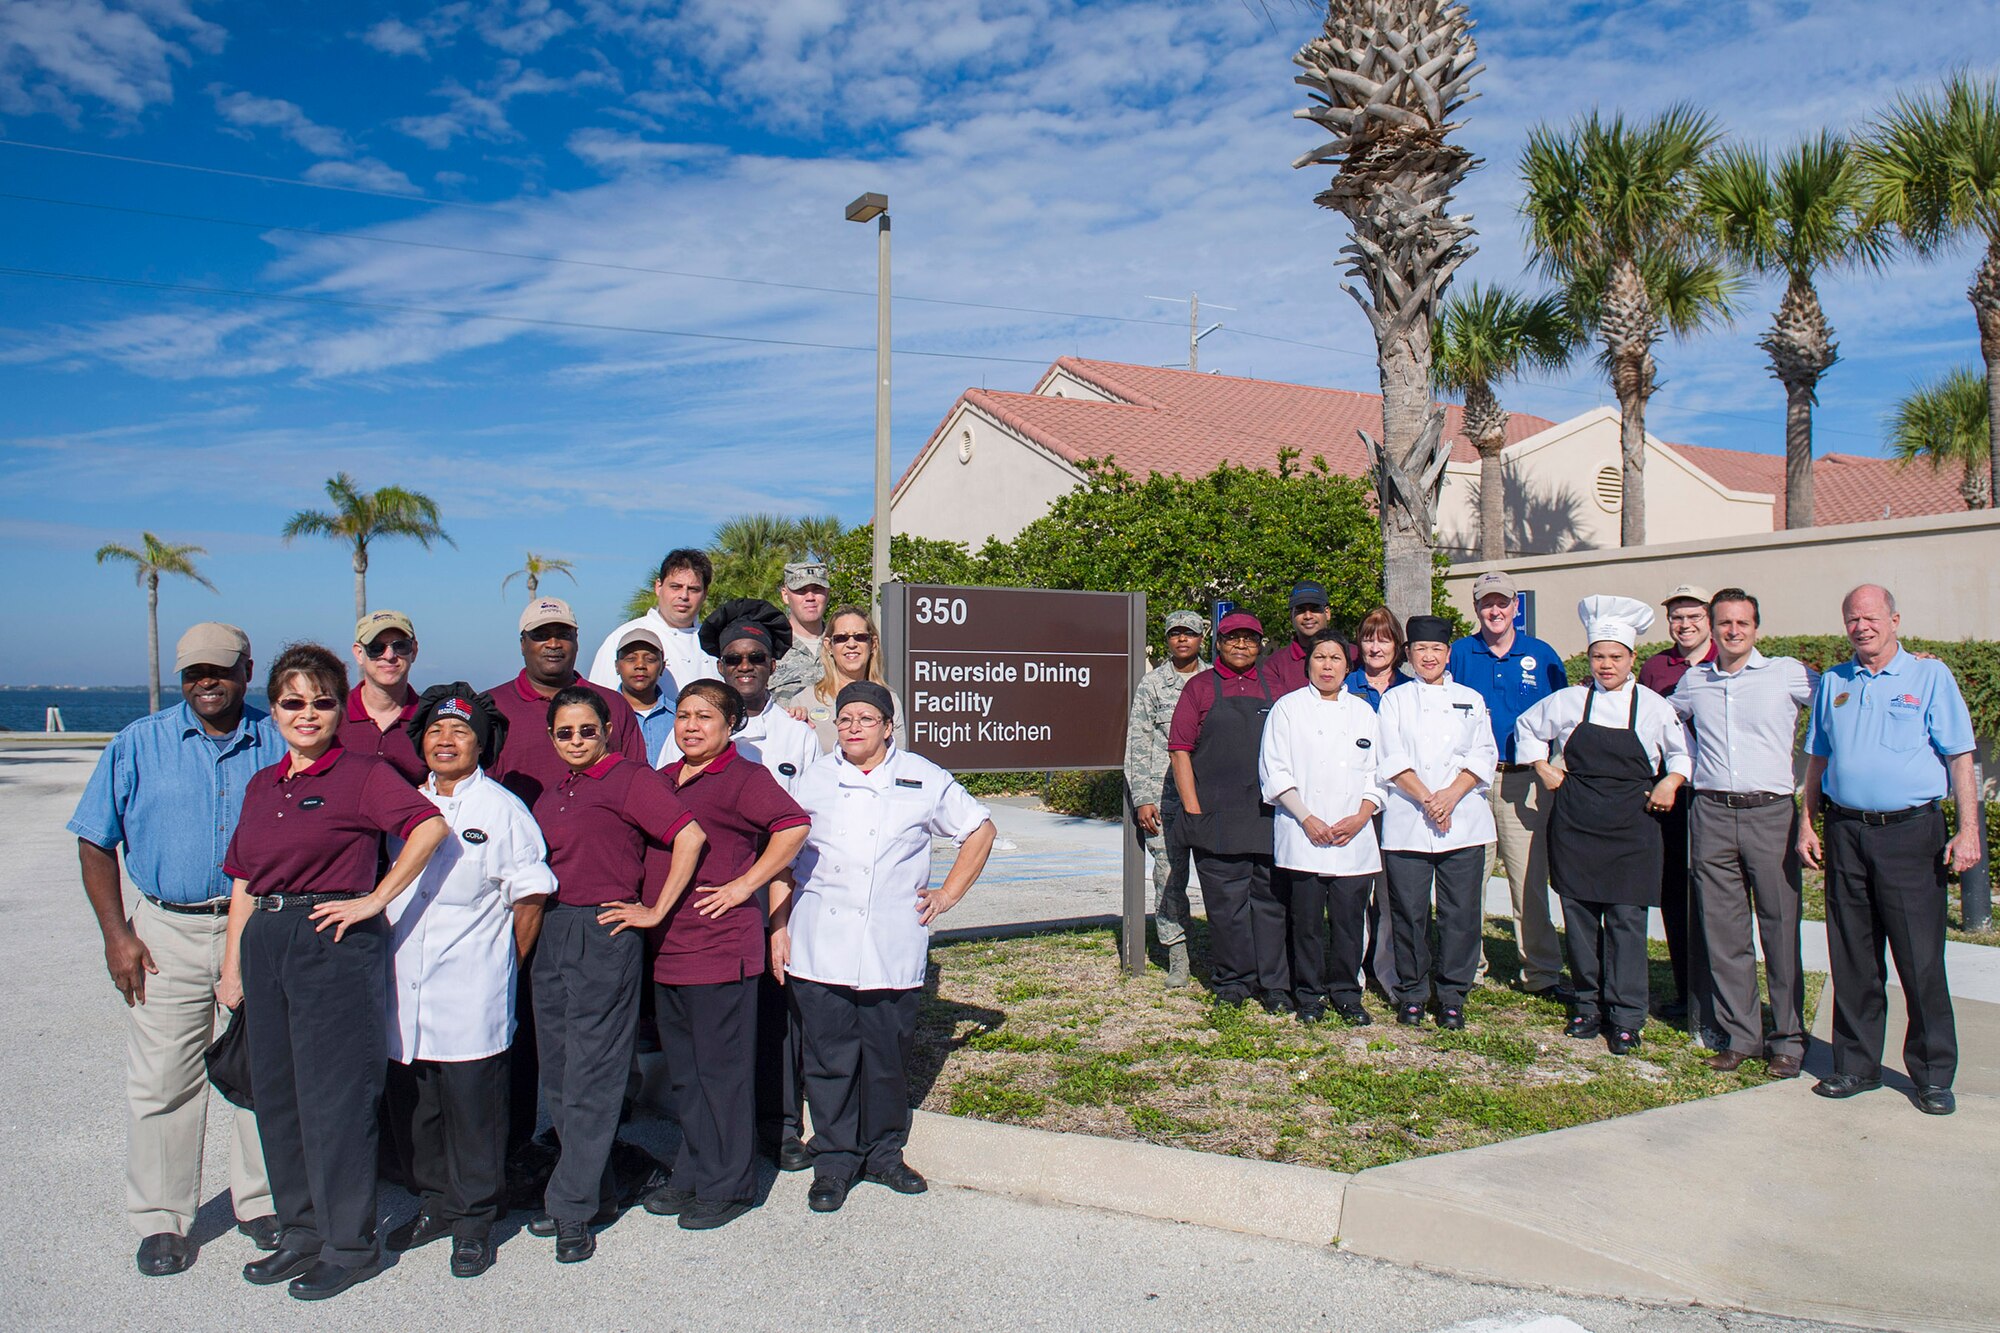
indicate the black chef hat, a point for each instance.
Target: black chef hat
{"x":866,"y":692}
{"x":469,"y":706}
{"x":746,"y":618}
{"x":1427,"y":629}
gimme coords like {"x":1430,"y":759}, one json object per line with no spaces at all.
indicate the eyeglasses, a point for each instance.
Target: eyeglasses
{"x":1687,"y":618}
{"x":383,"y":647}
{"x":745,"y":659}
{"x":850,"y":638}
{"x":851,"y":722}
{"x":296,"y":705}
{"x":589,"y":731}
{"x":543,"y":633}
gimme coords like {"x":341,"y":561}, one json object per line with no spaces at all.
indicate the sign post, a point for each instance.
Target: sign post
{"x":999,"y":680}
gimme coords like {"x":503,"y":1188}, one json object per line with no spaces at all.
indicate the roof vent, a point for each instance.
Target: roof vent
{"x":965,"y":446}
{"x":1610,"y":489}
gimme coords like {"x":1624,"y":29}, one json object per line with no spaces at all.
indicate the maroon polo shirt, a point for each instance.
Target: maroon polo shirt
{"x":320,"y":830}
{"x":1198,"y":696}
{"x":1286,"y":667}
{"x":1663,"y":670}
{"x":360,"y":735}
{"x":739,"y":805}
{"x":529,"y":765}
{"x":598,"y":823}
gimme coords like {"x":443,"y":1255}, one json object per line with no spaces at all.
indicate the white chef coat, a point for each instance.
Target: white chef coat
{"x":1653,"y":721}
{"x":452,"y":970}
{"x":1328,"y":749}
{"x":854,"y":910}
{"x":1439,"y":731}
{"x":781,"y":743}
{"x":683,"y":662}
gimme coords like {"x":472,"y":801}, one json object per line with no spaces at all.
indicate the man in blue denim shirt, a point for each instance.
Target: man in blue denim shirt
{"x":168,"y":789}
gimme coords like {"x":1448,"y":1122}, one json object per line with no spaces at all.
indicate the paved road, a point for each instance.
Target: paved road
{"x":951,"y":1258}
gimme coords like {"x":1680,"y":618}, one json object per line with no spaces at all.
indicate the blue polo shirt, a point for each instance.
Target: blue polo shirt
{"x":170,"y":794}
{"x":1885,"y":733}
{"x":1529,"y":672}
{"x":657,"y":725}
{"x":1358,"y":686}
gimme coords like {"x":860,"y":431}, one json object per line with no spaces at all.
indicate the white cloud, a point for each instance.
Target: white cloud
{"x":249,"y":111}
{"x":365,"y":173}
{"x":623,"y":152}
{"x":435,"y":27}
{"x":483,"y":114}
{"x":397,"y":38}
{"x":57,"y":54}
{"x":523,"y":27}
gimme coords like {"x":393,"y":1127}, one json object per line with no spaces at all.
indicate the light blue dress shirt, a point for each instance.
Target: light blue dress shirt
{"x":1885,"y":734}
{"x":657,"y":726}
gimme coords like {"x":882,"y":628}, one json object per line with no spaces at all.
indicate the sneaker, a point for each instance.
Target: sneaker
{"x":1411,"y":1015}
{"x":1451,"y":1020}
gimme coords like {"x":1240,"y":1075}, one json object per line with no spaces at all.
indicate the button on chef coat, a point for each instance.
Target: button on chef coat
{"x":854,"y":913}
{"x":1328,"y":749}
{"x":451,"y":980}
{"x":1439,"y":731}
{"x":785,"y":746}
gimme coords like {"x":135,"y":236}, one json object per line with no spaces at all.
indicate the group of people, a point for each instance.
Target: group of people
{"x":1344,"y":805}
{"x":437,"y":913}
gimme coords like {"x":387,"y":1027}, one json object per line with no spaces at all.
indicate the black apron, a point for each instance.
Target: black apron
{"x":1604,"y":846}
{"x":1234,"y":820}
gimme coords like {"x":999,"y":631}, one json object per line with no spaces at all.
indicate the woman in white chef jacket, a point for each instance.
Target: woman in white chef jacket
{"x":1438,"y":758}
{"x":1624,"y":760}
{"x":458,"y":935}
{"x":1317,"y":764}
{"x":856,"y":938}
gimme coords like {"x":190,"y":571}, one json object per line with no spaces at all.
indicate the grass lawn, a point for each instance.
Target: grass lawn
{"x":1045,"y":1031}
{"x":1813,"y":908}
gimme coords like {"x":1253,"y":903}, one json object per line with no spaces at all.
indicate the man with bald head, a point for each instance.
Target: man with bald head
{"x":1887,"y":731}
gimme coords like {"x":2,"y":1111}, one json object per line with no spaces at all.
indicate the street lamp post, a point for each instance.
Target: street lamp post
{"x":876,"y":207}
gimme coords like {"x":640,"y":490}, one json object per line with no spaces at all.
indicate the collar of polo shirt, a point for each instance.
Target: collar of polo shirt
{"x":314,"y":769}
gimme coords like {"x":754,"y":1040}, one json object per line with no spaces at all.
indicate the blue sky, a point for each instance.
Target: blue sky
{"x":1037,"y":153}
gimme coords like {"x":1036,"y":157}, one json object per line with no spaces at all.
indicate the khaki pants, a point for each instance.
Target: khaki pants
{"x":1520,"y":804}
{"x":166,"y":1085}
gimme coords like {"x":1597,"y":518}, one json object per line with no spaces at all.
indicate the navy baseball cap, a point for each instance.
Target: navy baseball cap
{"x":1308,"y":594}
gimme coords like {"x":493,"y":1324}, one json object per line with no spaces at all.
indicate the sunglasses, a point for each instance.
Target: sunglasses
{"x":850,"y":638}
{"x":745,"y":659}
{"x":319,"y":705}
{"x":543,"y":633}
{"x":383,"y":647}
{"x":590,"y":731}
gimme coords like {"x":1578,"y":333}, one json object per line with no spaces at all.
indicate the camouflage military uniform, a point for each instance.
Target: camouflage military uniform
{"x":1147,"y":777}
{"x":796,"y":670}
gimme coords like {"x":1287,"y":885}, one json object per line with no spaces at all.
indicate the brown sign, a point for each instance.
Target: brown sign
{"x":1014,"y":678}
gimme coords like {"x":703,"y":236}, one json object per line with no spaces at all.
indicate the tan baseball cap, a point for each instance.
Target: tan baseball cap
{"x":211,"y":643}
{"x":547,"y":611}
{"x":1688,"y":592}
{"x":1492,"y":582}
{"x":639,"y":634}
{"x":372,"y":624}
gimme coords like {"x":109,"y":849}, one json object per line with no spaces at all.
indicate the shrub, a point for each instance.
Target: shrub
{"x":1098,"y":795}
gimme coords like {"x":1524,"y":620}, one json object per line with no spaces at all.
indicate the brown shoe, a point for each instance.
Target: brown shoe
{"x":1726,"y":1062}
{"x":1783,"y":1066}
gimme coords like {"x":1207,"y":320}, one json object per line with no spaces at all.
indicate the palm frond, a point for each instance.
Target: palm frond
{"x":1942,"y":421}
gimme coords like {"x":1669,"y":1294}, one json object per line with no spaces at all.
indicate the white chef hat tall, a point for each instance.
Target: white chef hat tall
{"x":1617,"y":619}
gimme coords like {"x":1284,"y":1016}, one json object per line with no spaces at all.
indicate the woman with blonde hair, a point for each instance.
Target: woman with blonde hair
{"x":847,"y":654}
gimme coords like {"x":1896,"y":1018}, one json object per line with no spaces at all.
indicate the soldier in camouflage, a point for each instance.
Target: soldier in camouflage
{"x":805,"y":594}
{"x":1156,"y":804}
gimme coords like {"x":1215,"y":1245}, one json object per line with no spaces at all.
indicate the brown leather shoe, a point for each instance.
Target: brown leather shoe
{"x":1783,"y":1066}
{"x":1726,"y":1062}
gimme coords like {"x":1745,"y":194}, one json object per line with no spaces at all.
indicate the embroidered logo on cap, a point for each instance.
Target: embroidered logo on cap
{"x":312,"y":803}
{"x":455,"y":708}
{"x":475,"y":836}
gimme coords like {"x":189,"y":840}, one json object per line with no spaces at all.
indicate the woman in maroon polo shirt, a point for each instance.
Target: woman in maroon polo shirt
{"x":308,"y":953}
{"x":712,"y":956}
{"x":599,"y":818}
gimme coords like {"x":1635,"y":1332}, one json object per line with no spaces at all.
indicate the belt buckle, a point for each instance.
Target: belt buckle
{"x":272,"y":902}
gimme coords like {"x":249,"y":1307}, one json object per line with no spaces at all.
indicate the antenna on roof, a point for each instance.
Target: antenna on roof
{"x":1195,"y":332}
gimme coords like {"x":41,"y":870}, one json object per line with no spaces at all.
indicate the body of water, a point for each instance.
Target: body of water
{"x":84,"y":710}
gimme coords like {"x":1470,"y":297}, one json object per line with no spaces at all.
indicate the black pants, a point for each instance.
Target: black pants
{"x":524,"y":1065}
{"x":1885,"y":884}
{"x":857,"y":1058}
{"x":1246,"y":927}
{"x":450,"y":1119}
{"x":318,"y":1053}
{"x":586,"y":1018}
{"x":709,"y":1037}
{"x":1607,"y":959}
{"x":1312,"y":903}
{"x":1458,"y":878}
{"x":780,"y":1094}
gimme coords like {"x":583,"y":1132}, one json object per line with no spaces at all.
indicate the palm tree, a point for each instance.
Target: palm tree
{"x":152,"y":559}
{"x":1933,"y":173}
{"x":749,"y":553}
{"x":1947,"y":421}
{"x":1386,"y":78}
{"x":814,"y":538}
{"x":360,"y":517}
{"x":537,"y":566}
{"x":1492,"y":334}
{"x":1613,"y":215}
{"x":1795,"y":220}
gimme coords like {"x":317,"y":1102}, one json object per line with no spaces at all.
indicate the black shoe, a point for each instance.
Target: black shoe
{"x":1582,"y":1028}
{"x":471,"y":1255}
{"x":1840,"y":1086}
{"x":325,"y":1281}
{"x":1673,"y":1011}
{"x":704,"y":1216}
{"x":281,"y":1265}
{"x":827,"y":1194}
{"x":793,"y":1155}
{"x":164,"y":1254}
{"x":666,"y":1201}
{"x":543,"y":1226}
{"x":901,"y":1177}
{"x":574,"y":1243}
{"x":1276,"y":1002}
{"x":1556,"y":991}
{"x":1451,"y":1020}
{"x":1352,"y":1013}
{"x":1933,"y":1100}
{"x":1411,"y":1015}
{"x":1312,"y":1011}
{"x":263,"y":1231}
{"x":418,"y":1232}
{"x":1621,"y":1041}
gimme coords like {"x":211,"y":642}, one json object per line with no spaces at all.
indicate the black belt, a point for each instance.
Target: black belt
{"x":213,"y":907}
{"x":298,"y":902}
{"x":1878,"y":818}
{"x":1513,"y":768}
{"x":1744,"y":800}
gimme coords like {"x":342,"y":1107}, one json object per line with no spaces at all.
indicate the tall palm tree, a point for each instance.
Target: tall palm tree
{"x":1613,"y":215}
{"x":1948,"y":421}
{"x":536,"y":566}
{"x":814,"y":538}
{"x":151,"y":559}
{"x":1386,"y":78}
{"x":1491,"y":334}
{"x":1933,"y":169}
{"x":1796,"y":219}
{"x":749,"y":553}
{"x":359,"y":517}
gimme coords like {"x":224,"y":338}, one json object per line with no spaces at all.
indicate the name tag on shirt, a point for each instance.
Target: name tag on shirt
{"x":910,"y":782}
{"x":312,"y":803}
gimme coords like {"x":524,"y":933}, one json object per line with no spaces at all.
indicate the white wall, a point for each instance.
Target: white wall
{"x":1004,"y":485}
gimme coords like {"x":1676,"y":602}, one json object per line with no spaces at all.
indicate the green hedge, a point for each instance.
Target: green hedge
{"x":1001,"y":784}
{"x":1099,"y":795}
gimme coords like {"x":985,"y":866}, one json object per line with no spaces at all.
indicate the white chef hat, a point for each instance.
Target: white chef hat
{"x":1618,"y":619}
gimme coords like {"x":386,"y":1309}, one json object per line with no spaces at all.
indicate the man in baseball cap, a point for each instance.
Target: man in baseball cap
{"x":1286,"y":665}
{"x":1155,"y":804}
{"x":806,"y":593}
{"x":379,"y":709}
{"x":640,"y":660}
{"x":1693,"y":643}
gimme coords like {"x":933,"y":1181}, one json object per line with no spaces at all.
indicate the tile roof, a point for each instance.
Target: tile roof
{"x":1847,"y":488}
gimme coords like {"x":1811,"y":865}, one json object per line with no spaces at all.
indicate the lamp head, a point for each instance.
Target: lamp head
{"x":867,"y":207}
